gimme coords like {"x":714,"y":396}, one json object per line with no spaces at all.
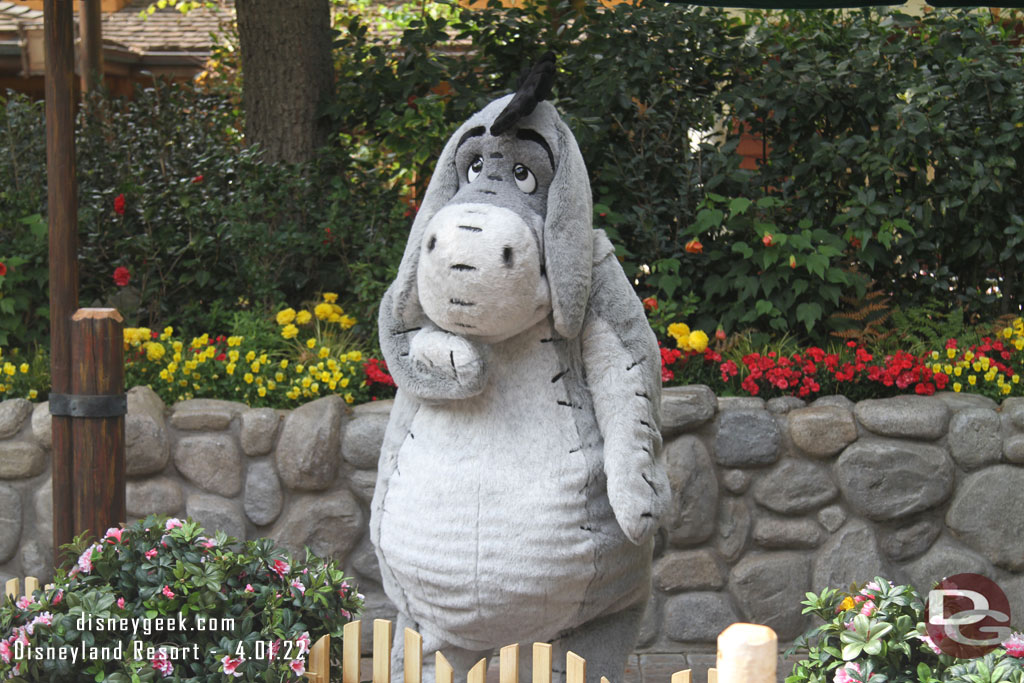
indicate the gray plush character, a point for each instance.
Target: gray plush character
{"x":520,"y":480}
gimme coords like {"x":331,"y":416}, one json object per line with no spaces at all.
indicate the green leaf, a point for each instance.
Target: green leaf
{"x":808,"y":313}
{"x":742,"y":248}
{"x":763,"y":306}
{"x":739,"y":206}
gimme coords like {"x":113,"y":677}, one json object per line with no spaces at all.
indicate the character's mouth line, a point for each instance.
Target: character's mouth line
{"x":462,"y":267}
{"x":460,"y":302}
{"x":465,"y":325}
{"x":471,"y":228}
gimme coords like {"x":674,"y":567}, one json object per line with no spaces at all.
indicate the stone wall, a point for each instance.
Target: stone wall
{"x":772,"y":499}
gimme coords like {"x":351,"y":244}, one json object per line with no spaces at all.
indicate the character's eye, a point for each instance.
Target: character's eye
{"x":525,"y":179}
{"x":475,"y":168}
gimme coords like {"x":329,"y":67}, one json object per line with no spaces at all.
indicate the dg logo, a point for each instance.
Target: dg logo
{"x":968,"y":615}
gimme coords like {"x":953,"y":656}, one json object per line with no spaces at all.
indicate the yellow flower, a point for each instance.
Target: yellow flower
{"x":948,"y":369}
{"x":323,"y":311}
{"x":165,"y":376}
{"x":200,"y":342}
{"x":32,"y":394}
{"x":248,"y":378}
{"x":299,"y":369}
{"x":349,"y":398}
{"x":324,"y":352}
{"x":325,"y":377}
{"x":972,"y":380}
{"x":177,"y":346}
{"x":1007,"y":332}
{"x":306,"y":381}
{"x":334,"y":318}
{"x":969,"y":356}
{"x":847,"y":603}
{"x":957,"y":387}
{"x":355,"y":356}
{"x":315,"y":388}
{"x":172,"y":367}
{"x":1019,"y":343}
{"x":230,"y":368}
{"x":347,"y":322}
{"x":698,"y":341}
{"x":289,"y":331}
{"x":9,"y":369}
{"x":23,"y":368}
{"x":1006,"y":388}
{"x":310,"y":343}
{"x":261,"y":391}
{"x":958,"y":371}
{"x":951,"y":353}
{"x":155,"y":351}
{"x":303,"y":317}
{"x":332,"y":364}
{"x":344,"y":382}
{"x":286,"y":316}
{"x":284,"y":364}
{"x":255,"y":367}
{"x":235,"y":341}
{"x":680,"y":331}
{"x":3,"y":388}
{"x":330,"y":297}
{"x":279,"y":376}
{"x":1015,"y":379}
{"x":271,"y":385}
{"x":168,"y":331}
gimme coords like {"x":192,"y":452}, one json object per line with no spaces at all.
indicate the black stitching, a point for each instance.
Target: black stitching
{"x":460,"y":302}
{"x":462,"y":266}
{"x":645,"y":424}
{"x":649,"y":482}
{"x":635,"y":364}
{"x":549,"y":340}
{"x":567,"y":404}
{"x":646,"y":514}
{"x":559,"y":376}
{"x":411,"y":329}
{"x":577,"y":449}
{"x":471,"y":228}
{"x":451,"y":358}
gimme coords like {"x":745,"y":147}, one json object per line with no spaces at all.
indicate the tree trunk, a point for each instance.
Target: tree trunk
{"x":287,"y":74}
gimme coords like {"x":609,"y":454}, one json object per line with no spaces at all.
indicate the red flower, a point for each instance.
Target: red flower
{"x":119,"y":204}
{"x":121,"y":276}
{"x":377,"y":372}
{"x":651,"y":304}
{"x":767,"y":240}
{"x":198,"y":178}
{"x":694,"y":247}
{"x":3,"y":269}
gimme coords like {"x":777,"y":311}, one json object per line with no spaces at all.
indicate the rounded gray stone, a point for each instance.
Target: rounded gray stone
{"x":211,"y":462}
{"x":986,"y":514}
{"x":698,"y":617}
{"x":779,"y":533}
{"x":974,"y":439}
{"x":215,"y":513}
{"x":961,"y":401}
{"x":147,"y":446}
{"x":945,"y":558}
{"x":205,"y":414}
{"x":1013,"y":449}
{"x":308,"y":450}
{"x":360,"y":445}
{"x":41,"y":425}
{"x":691,"y":519}
{"x":688,"y":570}
{"x":13,"y":413}
{"x":833,"y":400}
{"x":362,"y":483}
{"x":364,"y":560}
{"x":768,"y":587}
{"x":10,"y":521}
{"x":782,"y":405}
{"x":885,"y":479}
{"x":329,"y":525}
{"x":734,"y":521}
{"x":909,"y":417}
{"x":257,"y":431}
{"x":908,"y":542}
{"x":832,"y":517}
{"x":851,"y":555}
{"x":155,"y":496}
{"x":736,"y":481}
{"x":683,"y":409}
{"x":263,"y":497}
{"x":42,"y":505}
{"x":746,"y":438}
{"x":822,"y":431}
{"x":795,"y":487}
{"x":747,"y":403}
{"x":650,"y":625}
{"x":21,"y":459}
{"x":37,"y":560}
{"x":1013,"y":409}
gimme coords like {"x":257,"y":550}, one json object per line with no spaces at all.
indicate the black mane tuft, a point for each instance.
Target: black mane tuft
{"x":534,"y":86}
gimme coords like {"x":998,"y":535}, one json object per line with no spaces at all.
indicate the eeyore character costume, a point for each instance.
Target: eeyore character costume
{"x":520,"y":480}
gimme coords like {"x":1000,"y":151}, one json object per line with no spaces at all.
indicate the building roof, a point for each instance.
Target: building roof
{"x":166,"y":30}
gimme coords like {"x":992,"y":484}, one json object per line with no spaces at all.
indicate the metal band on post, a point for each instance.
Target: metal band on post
{"x":77,"y":405}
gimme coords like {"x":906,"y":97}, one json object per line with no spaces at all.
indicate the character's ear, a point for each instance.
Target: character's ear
{"x":442,"y":187}
{"x":568,"y":236}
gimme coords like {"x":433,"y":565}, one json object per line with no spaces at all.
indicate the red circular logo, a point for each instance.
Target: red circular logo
{"x":967,"y":615}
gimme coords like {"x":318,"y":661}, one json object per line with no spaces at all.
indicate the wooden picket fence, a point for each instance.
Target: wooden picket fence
{"x":746,"y":654}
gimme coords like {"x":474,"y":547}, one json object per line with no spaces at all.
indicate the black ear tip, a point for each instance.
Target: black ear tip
{"x":534,"y":86}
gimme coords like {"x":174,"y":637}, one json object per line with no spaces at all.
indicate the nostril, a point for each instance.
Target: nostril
{"x":506,"y":256}
{"x":462,"y":267}
{"x":431,"y":243}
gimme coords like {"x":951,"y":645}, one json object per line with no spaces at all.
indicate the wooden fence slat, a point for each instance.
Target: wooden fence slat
{"x":350,"y":652}
{"x":681,"y":676}
{"x":413,"y":657}
{"x":12,"y":588}
{"x":604,"y":679}
{"x":508,"y":664}
{"x":31,"y":585}
{"x":443,"y":672}
{"x":575,"y":668}
{"x":319,"y":670}
{"x":712,"y":675}
{"x":747,"y":653}
{"x":478,"y":674}
{"x":381,"y":651}
{"x":542,"y":663}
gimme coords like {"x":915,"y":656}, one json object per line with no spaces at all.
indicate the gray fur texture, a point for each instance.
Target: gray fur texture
{"x":521,"y":479}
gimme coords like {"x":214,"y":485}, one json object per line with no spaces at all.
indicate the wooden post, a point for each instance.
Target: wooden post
{"x":747,"y":653}
{"x":62,"y":202}
{"x":97,"y":365}
{"x":90,"y":28}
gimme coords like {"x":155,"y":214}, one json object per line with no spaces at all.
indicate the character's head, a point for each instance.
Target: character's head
{"x":503,"y":237}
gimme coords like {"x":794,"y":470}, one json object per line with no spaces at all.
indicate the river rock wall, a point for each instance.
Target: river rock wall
{"x":771,"y":499}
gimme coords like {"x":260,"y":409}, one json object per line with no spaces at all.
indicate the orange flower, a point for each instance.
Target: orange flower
{"x":767,"y":240}
{"x":694,"y":247}
{"x":651,"y":304}
{"x":792,"y":261}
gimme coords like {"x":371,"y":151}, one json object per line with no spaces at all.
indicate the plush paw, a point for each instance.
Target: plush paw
{"x":449,"y":358}
{"x":639,"y":499}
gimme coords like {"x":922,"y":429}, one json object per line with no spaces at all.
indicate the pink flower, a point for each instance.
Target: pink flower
{"x":248,"y":588}
{"x":230,"y":665}
{"x":345,"y":613}
{"x":843,"y":673}
{"x":168,"y":593}
{"x":120,"y":603}
{"x":304,"y":642}
{"x":1014,"y":645}
{"x":5,"y":652}
{"x":297,"y":585}
{"x":280,"y":568}
{"x":931,"y":643}
{"x":150,"y":554}
{"x":115,"y":534}
{"x":58,"y":596}
{"x":161,"y":663}
{"x":172,"y":523}
{"x":298,"y":667}
{"x":24,"y":602}
{"x":868,"y":608}
{"x":85,"y":560}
